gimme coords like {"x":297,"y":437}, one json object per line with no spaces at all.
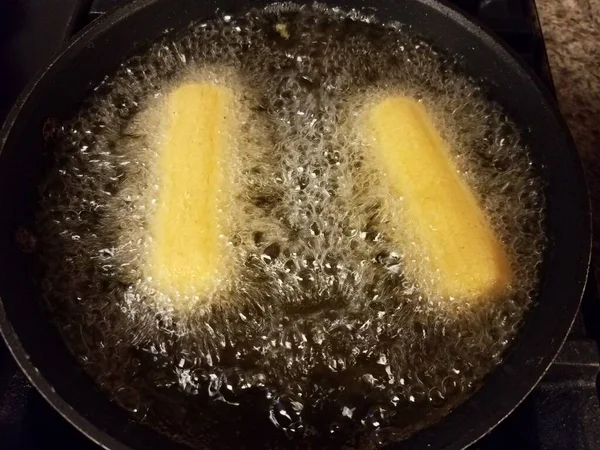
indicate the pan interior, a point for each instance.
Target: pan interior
{"x":349,"y":351}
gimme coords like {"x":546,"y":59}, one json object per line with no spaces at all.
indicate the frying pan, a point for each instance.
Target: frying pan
{"x":60,"y":87}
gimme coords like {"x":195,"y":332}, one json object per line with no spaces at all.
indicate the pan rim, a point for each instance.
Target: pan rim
{"x":103,"y":24}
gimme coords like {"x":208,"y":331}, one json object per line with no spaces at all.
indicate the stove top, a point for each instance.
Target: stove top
{"x":562,"y":413}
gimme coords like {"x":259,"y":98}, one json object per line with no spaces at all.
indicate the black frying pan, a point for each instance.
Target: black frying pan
{"x":58,"y":90}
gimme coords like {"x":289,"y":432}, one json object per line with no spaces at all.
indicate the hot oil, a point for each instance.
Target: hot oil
{"x":317,"y":339}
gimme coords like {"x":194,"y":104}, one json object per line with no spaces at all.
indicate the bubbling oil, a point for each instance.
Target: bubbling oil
{"x":318,"y":341}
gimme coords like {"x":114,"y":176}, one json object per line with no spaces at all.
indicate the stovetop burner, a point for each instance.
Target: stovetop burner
{"x":562,"y":413}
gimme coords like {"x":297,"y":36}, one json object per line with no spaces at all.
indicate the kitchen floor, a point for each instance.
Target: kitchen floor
{"x":571,"y":29}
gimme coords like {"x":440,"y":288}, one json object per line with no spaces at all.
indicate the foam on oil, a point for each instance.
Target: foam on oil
{"x":318,"y":339}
